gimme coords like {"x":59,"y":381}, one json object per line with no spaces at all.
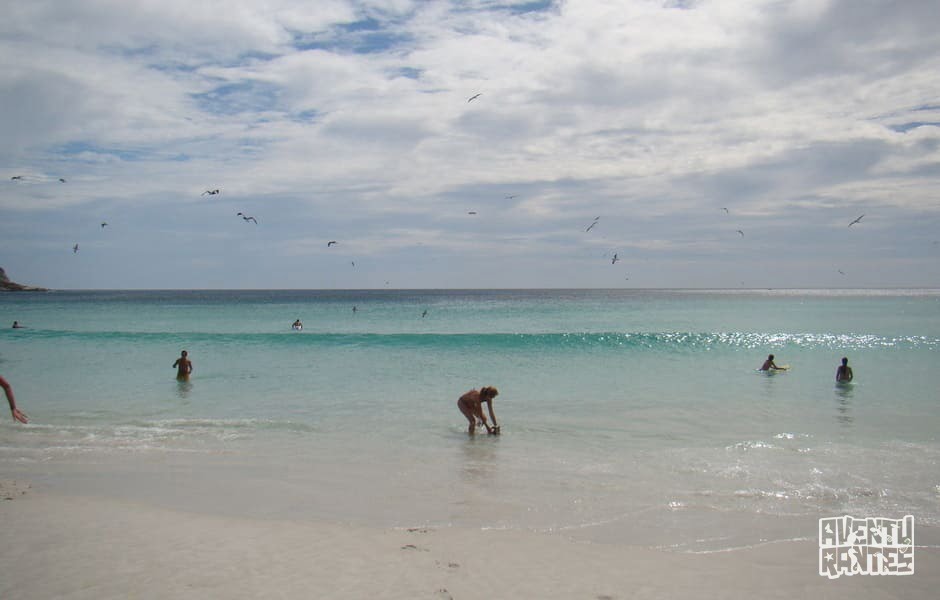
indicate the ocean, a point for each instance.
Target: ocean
{"x":628,"y":416}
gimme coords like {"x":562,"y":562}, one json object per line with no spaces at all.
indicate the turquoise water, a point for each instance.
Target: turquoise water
{"x":623,"y":412}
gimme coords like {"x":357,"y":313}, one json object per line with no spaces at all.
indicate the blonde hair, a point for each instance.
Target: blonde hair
{"x":489,"y":392}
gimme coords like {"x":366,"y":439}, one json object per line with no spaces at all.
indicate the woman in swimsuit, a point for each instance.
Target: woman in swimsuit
{"x":471,"y":405}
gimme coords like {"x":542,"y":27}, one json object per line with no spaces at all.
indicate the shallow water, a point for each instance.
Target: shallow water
{"x":624,"y":413}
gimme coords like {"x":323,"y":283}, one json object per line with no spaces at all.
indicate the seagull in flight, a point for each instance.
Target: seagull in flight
{"x":614,"y":260}
{"x":858,"y":220}
{"x":741,"y":232}
{"x":247,"y":218}
{"x":75,"y":249}
{"x":330,"y":243}
{"x":474,"y":97}
{"x":210,"y":192}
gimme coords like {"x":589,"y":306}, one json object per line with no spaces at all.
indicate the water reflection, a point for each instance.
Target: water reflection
{"x":479,"y":461}
{"x":843,"y":405}
{"x":183,"y":389}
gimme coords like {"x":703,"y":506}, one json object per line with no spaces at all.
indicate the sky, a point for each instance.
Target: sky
{"x":473,"y":144}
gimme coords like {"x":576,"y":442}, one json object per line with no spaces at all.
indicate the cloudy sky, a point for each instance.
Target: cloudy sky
{"x":716,"y":143}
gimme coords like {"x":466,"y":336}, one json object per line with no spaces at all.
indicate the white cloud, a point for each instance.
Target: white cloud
{"x":645,"y":112}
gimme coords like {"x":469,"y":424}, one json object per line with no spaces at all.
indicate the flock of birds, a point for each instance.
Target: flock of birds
{"x":251,"y":219}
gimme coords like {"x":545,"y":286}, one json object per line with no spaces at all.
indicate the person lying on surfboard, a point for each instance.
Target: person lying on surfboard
{"x":770,"y":366}
{"x":471,"y":405}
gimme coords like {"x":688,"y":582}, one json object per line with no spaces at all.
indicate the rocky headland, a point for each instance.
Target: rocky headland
{"x":11,"y":286}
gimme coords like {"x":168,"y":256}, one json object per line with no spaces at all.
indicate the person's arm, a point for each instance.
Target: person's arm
{"x":8,"y":390}
{"x":481,"y":416}
{"x":489,"y":406}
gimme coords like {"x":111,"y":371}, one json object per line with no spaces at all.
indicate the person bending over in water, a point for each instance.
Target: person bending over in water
{"x":471,"y":405}
{"x":844,"y":372}
{"x":8,"y":390}
{"x":183,"y":366}
{"x":769,"y":364}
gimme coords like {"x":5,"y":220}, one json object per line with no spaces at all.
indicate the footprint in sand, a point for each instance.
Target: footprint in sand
{"x":10,"y":489}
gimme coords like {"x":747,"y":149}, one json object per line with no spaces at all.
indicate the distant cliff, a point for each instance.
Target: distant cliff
{"x":9,"y":286}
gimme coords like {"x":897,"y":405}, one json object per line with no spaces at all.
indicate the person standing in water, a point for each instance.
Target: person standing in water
{"x":844,"y":372}
{"x":471,"y":405}
{"x":18,"y":415}
{"x":183,"y":366}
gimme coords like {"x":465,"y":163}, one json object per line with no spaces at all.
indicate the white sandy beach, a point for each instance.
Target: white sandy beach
{"x":58,"y":546}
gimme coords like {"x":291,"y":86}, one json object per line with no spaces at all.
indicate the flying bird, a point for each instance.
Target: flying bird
{"x":330,"y":243}
{"x":210,"y":192}
{"x":614,"y":260}
{"x":741,"y":232}
{"x":247,"y":218}
{"x":474,"y":97}
{"x":856,"y":221}
{"x":75,"y":249}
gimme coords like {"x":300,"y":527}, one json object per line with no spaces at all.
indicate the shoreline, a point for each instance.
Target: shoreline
{"x":58,"y":545}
